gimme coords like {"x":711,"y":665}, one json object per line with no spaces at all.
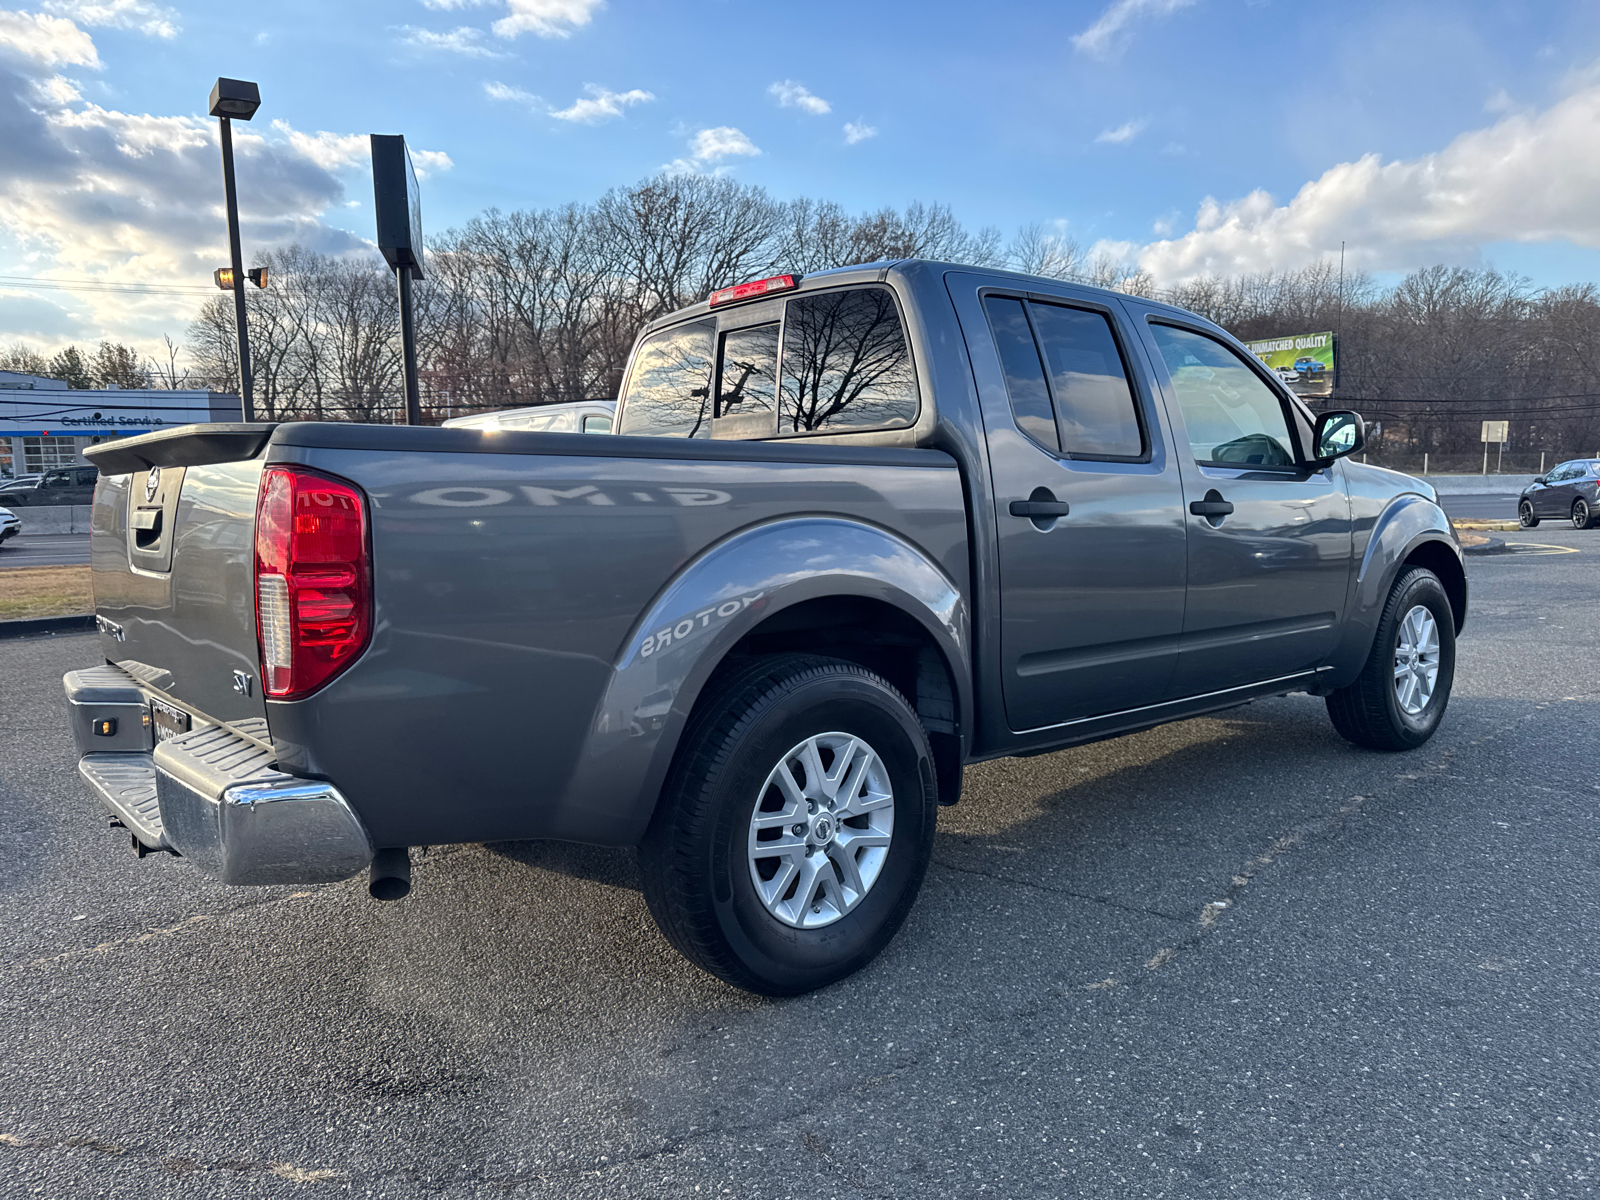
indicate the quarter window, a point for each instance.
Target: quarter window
{"x":1233,"y":418}
{"x":1094,"y":404}
{"x":1019,"y":359}
{"x":669,"y":391}
{"x":846,"y":365}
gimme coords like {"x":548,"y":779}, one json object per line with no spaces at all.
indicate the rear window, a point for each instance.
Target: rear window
{"x":669,"y":391}
{"x":845,"y":364}
{"x":747,"y":391}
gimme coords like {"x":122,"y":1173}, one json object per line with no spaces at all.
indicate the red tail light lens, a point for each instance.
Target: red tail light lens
{"x":759,"y":287}
{"x":313,"y":579}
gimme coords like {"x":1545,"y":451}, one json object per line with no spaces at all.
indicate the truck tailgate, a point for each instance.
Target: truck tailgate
{"x":171,"y":554}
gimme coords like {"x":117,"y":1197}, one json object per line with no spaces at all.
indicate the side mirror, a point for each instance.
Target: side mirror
{"x":1338,"y":434}
{"x":1538,"y":478}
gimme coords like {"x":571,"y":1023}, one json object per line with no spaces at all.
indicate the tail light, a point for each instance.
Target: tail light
{"x":759,"y":287}
{"x":313,"y":579}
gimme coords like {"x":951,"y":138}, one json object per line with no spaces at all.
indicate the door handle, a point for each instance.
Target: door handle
{"x":1210,"y":507}
{"x":1039,"y":508}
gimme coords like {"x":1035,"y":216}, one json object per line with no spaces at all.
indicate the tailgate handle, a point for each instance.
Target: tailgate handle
{"x":147,"y":518}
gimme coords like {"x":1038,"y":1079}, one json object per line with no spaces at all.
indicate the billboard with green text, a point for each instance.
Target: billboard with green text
{"x":1304,"y":361}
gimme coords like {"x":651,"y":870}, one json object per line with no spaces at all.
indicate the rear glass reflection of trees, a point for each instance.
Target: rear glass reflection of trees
{"x":669,"y":392}
{"x":845,"y":363}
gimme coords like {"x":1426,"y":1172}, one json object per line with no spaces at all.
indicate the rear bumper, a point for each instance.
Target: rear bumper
{"x":210,"y":795}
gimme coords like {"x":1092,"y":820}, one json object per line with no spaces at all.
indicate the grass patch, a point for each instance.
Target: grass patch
{"x":44,"y":592}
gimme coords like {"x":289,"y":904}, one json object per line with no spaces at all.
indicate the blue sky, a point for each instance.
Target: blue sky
{"x":1185,"y":135}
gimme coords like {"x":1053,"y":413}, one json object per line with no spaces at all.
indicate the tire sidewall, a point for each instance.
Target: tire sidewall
{"x":1526,"y":516}
{"x":1425,"y":589}
{"x":791,"y":959}
{"x":1581,"y":522}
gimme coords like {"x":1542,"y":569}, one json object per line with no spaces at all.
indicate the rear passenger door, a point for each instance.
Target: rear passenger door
{"x":1087,"y":504}
{"x":1269,"y":543}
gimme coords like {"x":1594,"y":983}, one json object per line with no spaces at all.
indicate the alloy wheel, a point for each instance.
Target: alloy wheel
{"x":1416,"y":660}
{"x":821,"y":829}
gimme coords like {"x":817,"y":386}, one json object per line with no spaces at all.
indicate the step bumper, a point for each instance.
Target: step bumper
{"x":214,"y":798}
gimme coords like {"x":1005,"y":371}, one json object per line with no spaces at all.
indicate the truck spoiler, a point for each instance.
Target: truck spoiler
{"x":185,"y":446}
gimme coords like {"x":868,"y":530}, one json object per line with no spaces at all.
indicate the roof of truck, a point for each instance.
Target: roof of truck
{"x":877,"y":272}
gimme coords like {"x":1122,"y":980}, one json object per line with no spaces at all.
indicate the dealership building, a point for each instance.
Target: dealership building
{"x":45,"y":424}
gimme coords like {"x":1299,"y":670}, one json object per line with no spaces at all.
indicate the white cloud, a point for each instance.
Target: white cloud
{"x":546,"y":18}
{"x":712,"y":145}
{"x":1530,"y":177}
{"x":1109,"y":35}
{"x":601,"y":105}
{"x":504,"y":91}
{"x":147,"y":18}
{"x":463,"y":40}
{"x":790,"y":94}
{"x":452,"y":5}
{"x":709,"y":147}
{"x":1125,"y":132}
{"x":858,"y":131}
{"x":91,"y":192}
{"x":47,"y":41}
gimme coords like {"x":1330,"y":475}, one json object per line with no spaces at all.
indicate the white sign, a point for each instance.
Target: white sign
{"x":1496,"y":431}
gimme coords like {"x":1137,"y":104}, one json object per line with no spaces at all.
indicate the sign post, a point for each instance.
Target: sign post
{"x":1495,"y":431}
{"x":398,"y":204}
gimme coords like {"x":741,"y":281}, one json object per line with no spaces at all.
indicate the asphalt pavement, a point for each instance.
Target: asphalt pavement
{"x":45,"y":550}
{"x":1481,"y":508}
{"x":1233,"y":956}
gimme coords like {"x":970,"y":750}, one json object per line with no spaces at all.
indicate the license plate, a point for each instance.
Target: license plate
{"x":168,"y":721}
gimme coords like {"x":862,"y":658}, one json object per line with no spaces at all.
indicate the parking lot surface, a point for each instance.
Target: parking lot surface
{"x":1234,"y":956}
{"x":45,"y":550}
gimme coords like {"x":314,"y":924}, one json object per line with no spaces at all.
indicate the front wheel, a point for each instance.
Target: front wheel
{"x":1399,"y":698}
{"x":1525,"y":515}
{"x":796,"y":827}
{"x":1582,"y":518}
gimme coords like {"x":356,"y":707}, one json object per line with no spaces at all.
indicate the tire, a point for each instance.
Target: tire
{"x":1371,"y":712}
{"x":703,"y":852}
{"x":1582,"y":518}
{"x":1525,"y":515}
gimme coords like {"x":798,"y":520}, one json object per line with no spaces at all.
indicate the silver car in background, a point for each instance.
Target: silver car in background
{"x":583,"y":416}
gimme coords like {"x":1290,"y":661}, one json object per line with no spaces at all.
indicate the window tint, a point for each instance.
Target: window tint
{"x":747,"y":395}
{"x":669,"y":392}
{"x":845,"y":364}
{"x":1019,"y":359}
{"x":1094,"y":404}
{"x":1234,"y":419}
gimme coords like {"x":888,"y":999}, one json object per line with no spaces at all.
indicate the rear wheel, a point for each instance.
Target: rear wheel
{"x":1400,"y":696}
{"x":1582,"y":517}
{"x":1525,"y":514}
{"x":794,"y":832}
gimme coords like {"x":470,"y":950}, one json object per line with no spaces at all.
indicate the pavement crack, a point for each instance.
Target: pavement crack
{"x":1057,"y":891}
{"x":175,"y":1164}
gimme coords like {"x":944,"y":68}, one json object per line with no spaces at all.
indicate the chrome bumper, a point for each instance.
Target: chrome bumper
{"x":213,"y":796}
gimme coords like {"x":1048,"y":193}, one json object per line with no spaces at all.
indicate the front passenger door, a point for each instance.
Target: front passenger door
{"x":1269,"y":536}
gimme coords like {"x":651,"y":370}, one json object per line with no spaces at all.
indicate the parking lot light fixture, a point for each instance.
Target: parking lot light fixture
{"x":236,"y":99}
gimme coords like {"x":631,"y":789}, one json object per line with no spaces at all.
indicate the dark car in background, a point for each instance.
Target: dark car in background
{"x":1570,"y":491}
{"x":64,"y":485}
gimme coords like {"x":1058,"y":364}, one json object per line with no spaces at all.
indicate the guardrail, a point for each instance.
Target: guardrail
{"x":54,"y":518}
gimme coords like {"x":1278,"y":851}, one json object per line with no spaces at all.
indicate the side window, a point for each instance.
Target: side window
{"x":846,"y":364}
{"x":87,"y":477}
{"x":595,"y":423}
{"x":58,"y":479}
{"x":669,"y":391}
{"x":747,"y":387}
{"x":1019,"y":359}
{"x":1234,"y":419}
{"x":1094,"y":404}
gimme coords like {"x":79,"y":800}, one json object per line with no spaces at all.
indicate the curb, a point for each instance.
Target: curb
{"x":46,"y":626}
{"x":1490,"y":546}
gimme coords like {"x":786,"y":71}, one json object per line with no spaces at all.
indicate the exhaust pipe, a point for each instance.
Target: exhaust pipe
{"x":391,"y":874}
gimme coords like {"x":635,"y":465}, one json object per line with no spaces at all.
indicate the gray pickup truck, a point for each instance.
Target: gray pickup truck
{"x":853,"y":532}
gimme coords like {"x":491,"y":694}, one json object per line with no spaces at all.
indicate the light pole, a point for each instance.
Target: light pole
{"x":232,"y":98}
